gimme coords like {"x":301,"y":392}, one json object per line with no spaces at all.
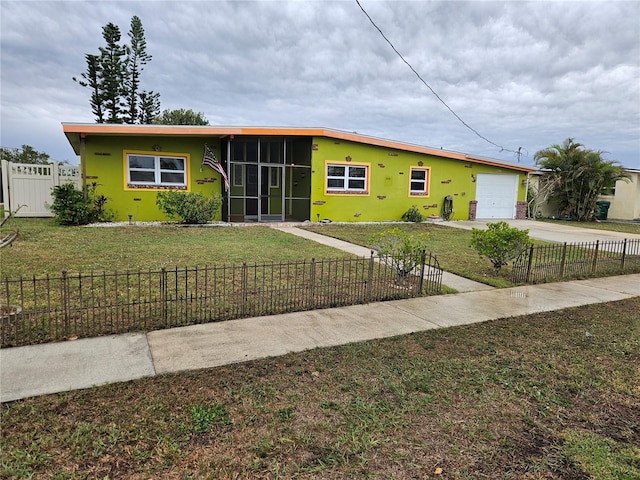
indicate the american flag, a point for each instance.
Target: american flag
{"x":209,"y":159}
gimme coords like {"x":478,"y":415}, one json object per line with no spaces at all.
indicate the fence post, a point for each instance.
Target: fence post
{"x":243,"y":289}
{"x":564,"y":258}
{"x":163,"y":295}
{"x":65,"y":303}
{"x":624,"y":253}
{"x":370,"y":277}
{"x":311,"y":301}
{"x":529,"y":265}
{"x":594,"y":265}
{"x":423,"y":258}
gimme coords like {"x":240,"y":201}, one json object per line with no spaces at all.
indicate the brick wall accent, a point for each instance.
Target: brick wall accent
{"x":473,"y":207}
{"x":521,"y":210}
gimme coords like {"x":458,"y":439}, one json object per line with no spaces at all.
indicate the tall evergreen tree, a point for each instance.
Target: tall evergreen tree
{"x":92,"y":81}
{"x":112,"y":73}
{"x":137,"y":58}
{"x":113,"y":77}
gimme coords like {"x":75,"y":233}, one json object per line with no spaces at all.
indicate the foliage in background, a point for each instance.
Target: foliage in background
{"x":190,"y":207}
{"x":500,"y":243}
{"x":26,"y":154}
{"x":413,"y":215}
{"x":400,"y":250}
{"x":576,"y":177}
{"x":72,"y":208}
{"x":181,"y":117}
{"x":113,"y":77}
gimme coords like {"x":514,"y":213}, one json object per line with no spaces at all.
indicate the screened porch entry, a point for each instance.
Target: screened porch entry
{"x":269,"y":177}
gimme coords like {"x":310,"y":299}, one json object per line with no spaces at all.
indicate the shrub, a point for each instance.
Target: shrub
{"x":72,"y":208}
{"x":400,"y":250}
{"x":413,"y":215}
{"x":499,"y":243}
{"x":190,"y":207}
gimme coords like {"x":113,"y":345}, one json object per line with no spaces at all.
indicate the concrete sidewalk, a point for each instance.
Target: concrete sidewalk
{"x":41,"y":369}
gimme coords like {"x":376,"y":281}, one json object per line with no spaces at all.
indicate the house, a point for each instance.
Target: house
{"x":625,"y":198}
{"x":278,"y":174}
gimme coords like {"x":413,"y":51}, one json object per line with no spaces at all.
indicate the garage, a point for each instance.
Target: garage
{"x":496,"y":195}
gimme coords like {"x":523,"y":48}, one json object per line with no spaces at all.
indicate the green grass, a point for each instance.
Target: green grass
{"x":46,"y":247}
{"x":450,"y":245}
{"x":545,"y":396}
{"x":611,"y":226}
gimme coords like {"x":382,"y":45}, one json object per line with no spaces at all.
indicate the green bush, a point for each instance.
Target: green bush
{"x":189,"y":207}
{"x":400,"y":250}
{"x":500,"y":243}
{"x":72,"y":208}
{"x":413,"y":215}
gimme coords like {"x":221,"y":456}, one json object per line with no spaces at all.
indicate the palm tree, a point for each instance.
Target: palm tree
{"x":577,"y":177}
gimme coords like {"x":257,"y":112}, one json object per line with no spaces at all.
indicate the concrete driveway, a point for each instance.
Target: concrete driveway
{"x":550,"y":232}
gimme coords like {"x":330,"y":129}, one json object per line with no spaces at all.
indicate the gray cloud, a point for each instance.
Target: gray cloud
{"x":523,"y":74}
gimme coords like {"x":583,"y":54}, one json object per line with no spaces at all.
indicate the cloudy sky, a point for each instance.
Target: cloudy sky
{"x":521,"y":74}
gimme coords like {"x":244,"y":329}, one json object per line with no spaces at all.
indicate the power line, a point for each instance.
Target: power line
{"x":518,"y":153}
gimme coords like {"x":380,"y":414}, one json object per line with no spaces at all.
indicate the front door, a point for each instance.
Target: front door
{"x":271,"y":193}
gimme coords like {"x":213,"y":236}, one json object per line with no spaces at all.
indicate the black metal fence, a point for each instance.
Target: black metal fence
{"x":47,"y":309}
{"x":544,"y":263}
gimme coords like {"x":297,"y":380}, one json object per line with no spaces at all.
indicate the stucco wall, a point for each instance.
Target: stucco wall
{"x":389,"y":174}
{"x":625,"y":204}
{"x":105,"y":165}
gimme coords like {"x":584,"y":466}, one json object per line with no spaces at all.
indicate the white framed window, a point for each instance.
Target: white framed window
{"x":347,"y":178}
{"x":148,"y":171}
{"x":419,"y":182}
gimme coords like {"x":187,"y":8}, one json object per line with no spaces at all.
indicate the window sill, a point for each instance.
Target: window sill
{"x":134,"y":186}
{"x":345,"y":192}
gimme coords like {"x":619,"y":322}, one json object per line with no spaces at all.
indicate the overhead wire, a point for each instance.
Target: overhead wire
{"x":502,"y":149}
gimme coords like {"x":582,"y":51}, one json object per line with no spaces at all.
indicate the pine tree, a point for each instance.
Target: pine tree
{"x":113,"y":77}
{"x":137,"y":57}
{"x":112,"y":73}
{"x":92,"y":81}
{"x":149,"y":106}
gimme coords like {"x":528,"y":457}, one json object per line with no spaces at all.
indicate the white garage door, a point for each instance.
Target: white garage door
{"x":496,"y":195}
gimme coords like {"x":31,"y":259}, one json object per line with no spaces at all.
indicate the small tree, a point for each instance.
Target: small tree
{"x":499,"y":243}
{"x":190,"y":207}
{"x":400,"y":250}
{"x":181,"y":117}
{"x":26,"y":154}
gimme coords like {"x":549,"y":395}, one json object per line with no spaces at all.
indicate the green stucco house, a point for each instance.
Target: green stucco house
{"x":292,"y":174}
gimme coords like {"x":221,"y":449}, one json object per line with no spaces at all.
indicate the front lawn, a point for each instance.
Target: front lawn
{"x":450,"y":245}
{"x":46,"y":247}
{"x":545,"y":396}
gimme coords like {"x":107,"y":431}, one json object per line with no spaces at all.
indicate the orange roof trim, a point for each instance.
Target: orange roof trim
{"x":74,"y":130}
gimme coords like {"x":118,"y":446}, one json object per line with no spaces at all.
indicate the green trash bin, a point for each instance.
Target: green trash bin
{"x":603,"y":210}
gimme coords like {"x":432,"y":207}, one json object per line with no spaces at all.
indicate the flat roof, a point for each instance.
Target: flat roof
{"x":73,"y":131}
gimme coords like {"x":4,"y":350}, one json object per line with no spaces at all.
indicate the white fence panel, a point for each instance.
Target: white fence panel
{"x":30,"y":186}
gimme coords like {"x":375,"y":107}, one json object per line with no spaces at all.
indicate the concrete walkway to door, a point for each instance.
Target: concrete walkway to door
{"x":550,"y":232}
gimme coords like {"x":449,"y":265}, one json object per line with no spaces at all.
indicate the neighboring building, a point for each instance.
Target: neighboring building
{"x":282,"y":174}
{"x":625,"y":198}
